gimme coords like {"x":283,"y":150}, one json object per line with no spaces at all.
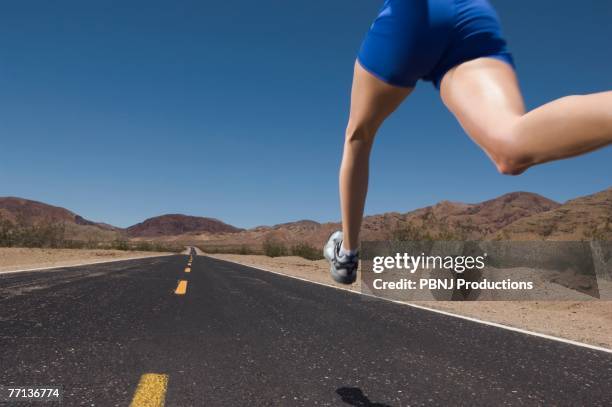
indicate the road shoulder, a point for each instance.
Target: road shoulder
{"x":25,"y":259}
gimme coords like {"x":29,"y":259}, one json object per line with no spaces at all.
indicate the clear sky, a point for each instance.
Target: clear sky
{"x":123,"y":110}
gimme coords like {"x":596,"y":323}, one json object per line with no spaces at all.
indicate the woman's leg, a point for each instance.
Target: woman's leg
{"x":484,"y":96}
{"x":372,"y":101}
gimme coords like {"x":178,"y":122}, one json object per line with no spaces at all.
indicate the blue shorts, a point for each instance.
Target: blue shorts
{"x":423,"y":39}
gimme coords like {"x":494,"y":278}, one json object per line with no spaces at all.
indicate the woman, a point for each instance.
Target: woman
{"x":458,"y":46}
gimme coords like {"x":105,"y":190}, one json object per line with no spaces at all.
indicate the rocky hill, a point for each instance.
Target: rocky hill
{"x":175,"y":224}
{"x":445,"y":220}
{"x":25,"y":212}
{"x":588,"y":217}
{"x":513,"y":216}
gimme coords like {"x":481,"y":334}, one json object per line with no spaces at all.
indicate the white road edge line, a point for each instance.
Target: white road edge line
{"x":437,"y":311}
{"x":84,"y":264}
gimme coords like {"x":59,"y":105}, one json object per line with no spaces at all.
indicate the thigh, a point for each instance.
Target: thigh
{"x":484,"y":96}
{"x":372,"y":100}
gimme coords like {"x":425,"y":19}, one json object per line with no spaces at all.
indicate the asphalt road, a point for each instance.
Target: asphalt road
{"x":240,"y":336}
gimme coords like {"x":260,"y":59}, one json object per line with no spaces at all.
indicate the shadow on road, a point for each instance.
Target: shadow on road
{"x":355,"y":397}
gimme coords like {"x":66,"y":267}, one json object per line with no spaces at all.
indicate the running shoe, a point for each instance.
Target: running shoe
{"x":343,"y":268}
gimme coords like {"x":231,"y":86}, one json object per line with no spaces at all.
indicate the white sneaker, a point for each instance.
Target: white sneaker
{"x":343,"y":268}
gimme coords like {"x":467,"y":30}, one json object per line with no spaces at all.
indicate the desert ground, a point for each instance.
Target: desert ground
{"x":584,"y":321}
{"x":27,"y":258}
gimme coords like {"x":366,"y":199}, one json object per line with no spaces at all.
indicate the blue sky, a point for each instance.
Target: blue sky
{"x":123,"y":110}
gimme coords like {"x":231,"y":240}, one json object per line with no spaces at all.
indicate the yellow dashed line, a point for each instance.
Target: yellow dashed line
{"x":151,"y":391}
{"x":188,"y":270}
{"x":181,"y":289}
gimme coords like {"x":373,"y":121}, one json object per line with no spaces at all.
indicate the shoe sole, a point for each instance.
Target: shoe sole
{"x":350,"y":279}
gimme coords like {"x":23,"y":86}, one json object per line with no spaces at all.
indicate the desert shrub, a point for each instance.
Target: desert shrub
{"x":45,"y":234}
{"x":77,"y":244}
{"x":503,"y":235}
{"x":160,"y":247}
{"x":7,"y":233}
{"x":216,"y":249}
{"x":306,"y":251}
{"x":547,"y":229}
{"x":219,"y":249}
{"x":244,"y":249}
{"x":53,"y":235}
{"x":602,"y":232}
{"x":410,"y":233}
{"x":433,"y":228}
{"x":445,"y":233}
{"x":120,"y":244}
{"x":273,"y":248}
{"x":143,"y":246}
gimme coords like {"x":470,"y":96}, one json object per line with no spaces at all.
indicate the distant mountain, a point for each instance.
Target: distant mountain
{"x":456,"y":220}
{"x":513,"y":216}
{"x":450,"y":220}
{"x":82,"y":221}
{"x":30,"y":213}
{"x":588,"y":217}
{"x":176,"y":224}
{"x":33,"y":212}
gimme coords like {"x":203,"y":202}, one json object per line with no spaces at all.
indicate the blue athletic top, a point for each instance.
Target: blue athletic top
{"x":423,"y":39}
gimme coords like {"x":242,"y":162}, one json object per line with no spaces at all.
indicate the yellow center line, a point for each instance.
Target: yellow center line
{"x":188,"y":270}
{"x":151,"y":391}
{"x":181,"y":289}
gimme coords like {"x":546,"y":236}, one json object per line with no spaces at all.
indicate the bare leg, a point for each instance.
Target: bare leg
{"x":372,"y":101}
{"x":484,"y":96}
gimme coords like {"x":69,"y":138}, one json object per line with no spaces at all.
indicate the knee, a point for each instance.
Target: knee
{"x":506,"y":166}
{"x":360,"y":133}
{"x":507,"y":153}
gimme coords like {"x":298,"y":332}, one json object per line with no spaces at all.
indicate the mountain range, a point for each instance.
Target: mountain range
{"x":513,"y":216}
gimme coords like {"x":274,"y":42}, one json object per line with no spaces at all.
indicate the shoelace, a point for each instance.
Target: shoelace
{"x":345,"y":260}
